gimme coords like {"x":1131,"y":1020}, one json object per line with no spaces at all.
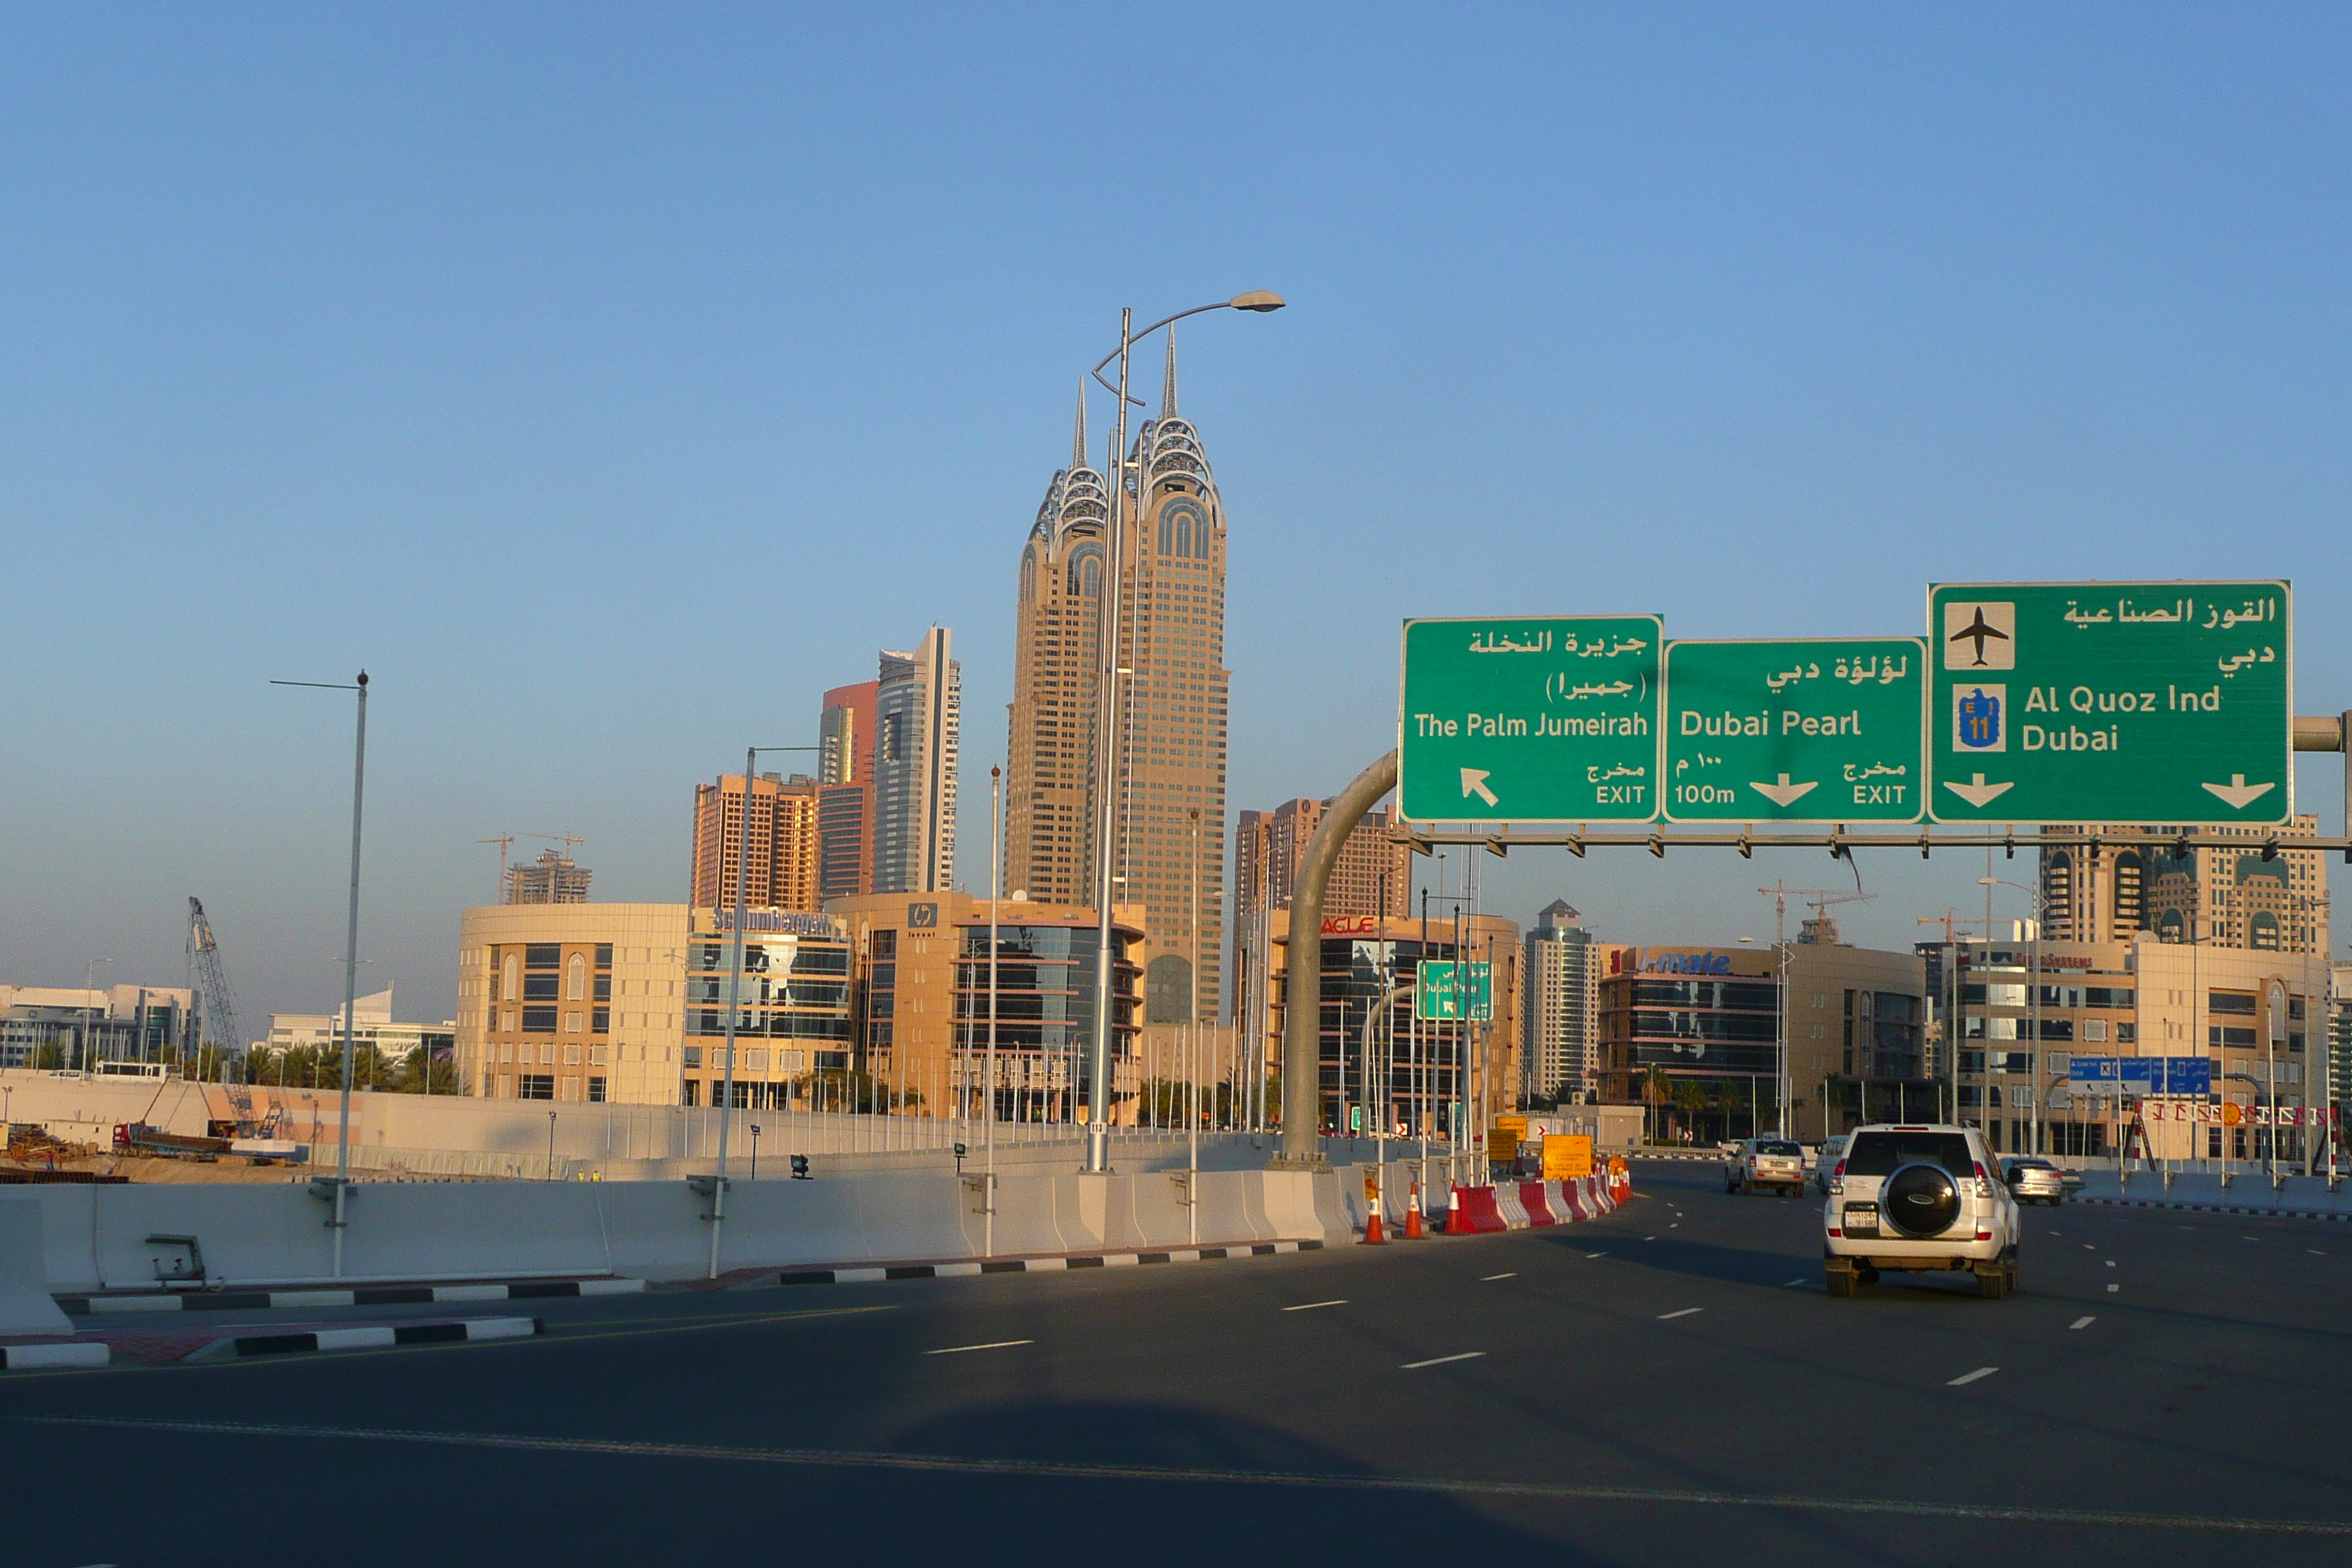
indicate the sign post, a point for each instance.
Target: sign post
{"x":2141,"y":702}
{"x":1794,"y":731}
{"x":1539,"y":720}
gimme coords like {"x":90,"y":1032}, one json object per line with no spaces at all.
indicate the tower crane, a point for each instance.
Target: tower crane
{"x":505,"y":841}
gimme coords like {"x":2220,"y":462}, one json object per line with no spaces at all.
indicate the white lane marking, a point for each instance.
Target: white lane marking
{"x":1800,"y":1279}
{"x":2113,"y":1289}
{"x":1596,"y":1255}
{"x":2057,"y":1233}
{"x":1490,"y":1279}
{"x":1649,"y":1238}
{"x":2088,"y":1248}
{"x":2083,"y":1323}
{"x":2314,"y":1252}
{"x":1440,"y":1361}
{"x":1310,"y":1306}
{"x":991,"y":1345}
{"x":1973,"y":1513}
{"x":2111,"y":1263}
{"x":2250,"y":1239}
{"x":1686,"y":1311}
{"x":1968,"y":1377}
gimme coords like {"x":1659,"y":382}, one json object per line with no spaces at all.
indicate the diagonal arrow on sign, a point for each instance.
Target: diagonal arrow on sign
{"x":1980,"y":793}
{"x":2238,"y":793}
{"x":1784,"y":793}
{"x":1473,"y":782}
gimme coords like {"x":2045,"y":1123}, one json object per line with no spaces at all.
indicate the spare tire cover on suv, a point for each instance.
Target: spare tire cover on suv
{"x":1920,"y":1200}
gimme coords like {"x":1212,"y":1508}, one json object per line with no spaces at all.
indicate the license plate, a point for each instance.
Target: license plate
{"x":1862,"y":1220}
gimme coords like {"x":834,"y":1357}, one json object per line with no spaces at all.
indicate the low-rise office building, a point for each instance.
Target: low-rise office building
{"x":94,"y":1029}
{"x":372,"y":1024}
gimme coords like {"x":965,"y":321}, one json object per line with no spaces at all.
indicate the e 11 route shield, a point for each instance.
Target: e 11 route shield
{"x":1541,"y":719}
{"x":2159,"y":703}
{"x":1795,"y":731}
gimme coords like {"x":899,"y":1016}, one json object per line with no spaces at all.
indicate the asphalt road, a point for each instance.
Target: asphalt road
{"x":1669,"y":1385}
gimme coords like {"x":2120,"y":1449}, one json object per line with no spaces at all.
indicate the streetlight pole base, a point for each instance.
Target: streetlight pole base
{"x":1097,"y":1149}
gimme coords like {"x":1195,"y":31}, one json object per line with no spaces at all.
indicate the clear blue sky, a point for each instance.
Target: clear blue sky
{"x":609,"y":381}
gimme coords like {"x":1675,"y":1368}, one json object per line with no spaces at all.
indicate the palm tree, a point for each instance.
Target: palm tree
{"x":1656,"y":1087}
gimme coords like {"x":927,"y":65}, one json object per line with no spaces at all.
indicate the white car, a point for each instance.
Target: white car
{"x":1919,"y":1198}
{"x":1833,"y":1150}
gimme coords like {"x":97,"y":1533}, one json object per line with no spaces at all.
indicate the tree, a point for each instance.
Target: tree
{"x":1656,"y":1087}
{"x":1690,"y":1100}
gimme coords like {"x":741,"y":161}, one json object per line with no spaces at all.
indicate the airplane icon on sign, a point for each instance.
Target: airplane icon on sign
{"x":1978,"y":630}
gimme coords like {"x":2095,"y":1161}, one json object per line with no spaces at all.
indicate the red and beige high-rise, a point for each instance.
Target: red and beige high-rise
{"x":1172,"y":756}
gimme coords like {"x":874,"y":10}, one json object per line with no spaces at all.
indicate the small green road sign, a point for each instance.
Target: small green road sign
{"x":1794,"y":731}
{"x":1441,"y":994}
{"x":2154,"y":703}
{"x":1543,"y":719}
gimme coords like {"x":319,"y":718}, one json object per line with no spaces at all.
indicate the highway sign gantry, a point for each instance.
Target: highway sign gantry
{"x":2165,"y":703}
{"x":1540,"y":719}
{"x":1794,"y":731}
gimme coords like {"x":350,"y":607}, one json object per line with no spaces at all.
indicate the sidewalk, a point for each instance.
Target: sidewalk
{"x":2249,"y":1193}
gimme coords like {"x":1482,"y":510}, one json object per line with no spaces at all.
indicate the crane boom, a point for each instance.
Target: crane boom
{"x":217,"y":1024}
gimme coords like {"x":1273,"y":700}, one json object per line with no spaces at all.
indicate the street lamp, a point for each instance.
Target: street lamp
{"x":342,"y":1178}
{"x":89,"y":1007}
{"x":1106,"y":772}
{"x":752,"y":755}
{"x":2033,"y":1005}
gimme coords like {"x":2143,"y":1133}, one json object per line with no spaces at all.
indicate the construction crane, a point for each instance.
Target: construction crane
{"x":1819,"y":900}
{"x":217,"y":1024}
{"x":505,"y":839}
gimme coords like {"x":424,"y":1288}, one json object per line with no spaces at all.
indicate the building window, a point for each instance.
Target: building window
{"x":570,"y":1056}
{"x":596,"y":1091}
{"x":538,"y":1020}
{"x":547,"y":1053}
{"x":690,"y":1093}
{"x":506,"y":1085}
{"x":571,"y":1023}
{"x":691,"y":1056}
{"x":604,"y":988}
{"x":604,"y":956}
{"x":536,"y":1086}
{"x":601,"y":1021}
{"x":513,"y":991}
{"x":576,"y":987}
{"x":595,"y":1056}
{"x":538,"y":988}
{"x":542,"y":955}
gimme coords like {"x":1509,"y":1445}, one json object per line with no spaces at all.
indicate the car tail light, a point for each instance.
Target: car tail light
{"x":1840,"y":1172}
{"x":1984,"y":1236}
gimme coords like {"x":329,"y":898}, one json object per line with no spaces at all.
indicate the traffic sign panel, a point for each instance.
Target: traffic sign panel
{"x":1441,"y":992}
{"x":2165,"y":703}
{"x":1549,"y":719}
{"x":1794,"y":731}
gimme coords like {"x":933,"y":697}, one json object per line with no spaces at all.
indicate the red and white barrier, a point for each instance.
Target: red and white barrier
{"x":1521,"y":1206}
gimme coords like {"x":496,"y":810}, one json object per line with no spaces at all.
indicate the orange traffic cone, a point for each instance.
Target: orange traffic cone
{"x":1374,"y":1236}
{"x":1454,"y":1225}
{"x":1413,"y":1231}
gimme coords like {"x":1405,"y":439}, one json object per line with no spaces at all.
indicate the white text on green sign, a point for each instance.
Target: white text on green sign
{"x":2138,"y":703}
{"x":1440,"y":993}
{"x":1794,"y":731}
{"x":1537,"y":720}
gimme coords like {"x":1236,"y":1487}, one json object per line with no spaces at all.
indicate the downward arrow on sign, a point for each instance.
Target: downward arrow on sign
{"x":1980,"y":793}
{"x":1784,"y":793}
{"x":2238,"y":793}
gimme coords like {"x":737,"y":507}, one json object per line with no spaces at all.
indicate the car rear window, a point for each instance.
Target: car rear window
{"x":1776,"y":1147}
{"x":1881,"y":1153}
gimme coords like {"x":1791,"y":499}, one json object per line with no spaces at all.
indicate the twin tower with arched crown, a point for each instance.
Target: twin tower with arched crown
{"x":1171,"y":759}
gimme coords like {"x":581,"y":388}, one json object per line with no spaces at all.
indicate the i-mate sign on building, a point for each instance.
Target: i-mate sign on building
{"x":2150,"y":703}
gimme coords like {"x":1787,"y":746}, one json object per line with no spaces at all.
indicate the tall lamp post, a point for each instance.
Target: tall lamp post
{"x":342,"y":1177}
{"x":1107,"y":766}
{"x":89,"y":1013}
{"x":752,"y":755}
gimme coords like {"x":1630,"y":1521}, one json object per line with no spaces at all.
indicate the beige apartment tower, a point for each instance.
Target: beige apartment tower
{"x":2113,"y":883}
{"x":1171,"y":575}
{"x":782,"y":873}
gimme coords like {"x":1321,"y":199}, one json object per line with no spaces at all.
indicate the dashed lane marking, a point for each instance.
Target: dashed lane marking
{"x":1685,"y":1312}
{"x":1310,"y":1306}
{"x":1596,"y":1255}
{"x":1967,"y":1377}
{"x":2111,"y":1263}
{"x":1426,"y":1486}
{"x":1440,"y":1361}
{"x":1800,"y":1279}
{"x":2083,"y":1323}
{"x":991,"y":1345}
{"x":2113,"y":1289}
{"x":1490,"y":1279}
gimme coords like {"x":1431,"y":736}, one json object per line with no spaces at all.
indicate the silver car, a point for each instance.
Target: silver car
{"x":1765,"y":1163}
{"x":2034,"y":1181}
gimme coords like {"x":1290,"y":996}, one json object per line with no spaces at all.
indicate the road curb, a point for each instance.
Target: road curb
{"x":969,"y":1267}
{"x":27,"y":1358}
{"x":2213,"y":1208}
{"x":376,"y":1337}
{"x":362,"y":1296}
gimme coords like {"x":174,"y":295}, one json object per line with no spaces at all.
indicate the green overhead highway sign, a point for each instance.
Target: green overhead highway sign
{"x":1440,"y":993}
{"x":1794,"y":731}
{"x":2160,"y":703}
{"x":1549,"y":719}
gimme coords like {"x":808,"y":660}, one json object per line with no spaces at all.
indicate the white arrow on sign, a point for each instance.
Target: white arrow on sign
{"x":1784,"y":793}
{"x":1980,"y":793}
{"x":2238,"y":793}
{"x":1473,"y":782}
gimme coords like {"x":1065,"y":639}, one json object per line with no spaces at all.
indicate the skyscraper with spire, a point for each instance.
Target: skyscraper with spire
{"x":1172,"y":576}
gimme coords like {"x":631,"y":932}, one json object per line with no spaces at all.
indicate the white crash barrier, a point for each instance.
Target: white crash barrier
{"x":26,"y":1307}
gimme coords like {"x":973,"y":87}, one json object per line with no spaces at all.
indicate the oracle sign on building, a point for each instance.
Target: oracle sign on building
{"x":1351,"y":925}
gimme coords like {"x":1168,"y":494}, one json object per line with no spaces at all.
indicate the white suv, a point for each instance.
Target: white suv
{"x":1919,"y":1198}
